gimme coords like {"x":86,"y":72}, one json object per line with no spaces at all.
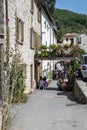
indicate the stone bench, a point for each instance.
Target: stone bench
{"x":80,"y":91}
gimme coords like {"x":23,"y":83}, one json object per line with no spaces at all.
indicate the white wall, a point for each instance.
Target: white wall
{"x":48,"y":34}
{"x":48,"y":37}
{"x":46,"y":30}
{"x":83,"y":44}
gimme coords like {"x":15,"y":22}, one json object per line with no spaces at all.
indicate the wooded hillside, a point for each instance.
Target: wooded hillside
{"x":69,"y":21}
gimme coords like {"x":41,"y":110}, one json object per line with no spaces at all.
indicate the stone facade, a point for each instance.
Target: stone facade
{"x":27,"y":13}
{"x":22,"y":10}
{"x":1,"y":56}
{"x":80,"y":91}
{"x":9,"y":12}
{"x":1,"y":17}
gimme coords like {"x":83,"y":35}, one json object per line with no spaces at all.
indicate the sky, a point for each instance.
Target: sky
{"x":78,"y":6}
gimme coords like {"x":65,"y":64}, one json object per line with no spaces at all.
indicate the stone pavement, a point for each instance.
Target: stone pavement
{"x":49,"y":110}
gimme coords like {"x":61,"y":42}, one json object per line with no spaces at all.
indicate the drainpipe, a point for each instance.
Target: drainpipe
{"x":50,"y":40}
{"x":7,"y":32}
{"x":7,"y":48}
{"x":6,"y":6}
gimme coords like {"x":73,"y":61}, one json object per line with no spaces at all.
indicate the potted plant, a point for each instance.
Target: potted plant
{"x":65,"y":46}
{"x":43,"y":47}
{"x":43,"y":51}
{"x":53,"y":49}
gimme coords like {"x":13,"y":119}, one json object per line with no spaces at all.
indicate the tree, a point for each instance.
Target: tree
{"x":70,"y":21}
{"x":50,"y":4}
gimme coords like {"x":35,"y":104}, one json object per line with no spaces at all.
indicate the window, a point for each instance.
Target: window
{"x":20,"y":30}
{"x":67,"y":39}
{"x":31,"y":75}
{"x":39,"y":15}
{"x":32,"y":6}
{"x":45,"y":24}
{"x":46,"y":43}
{"x":72,"y":41}
{"x":35,"y":39}
{"x":25,"y":71}
{"x":79,"y":40}
{"x":31,"y":38}
{"x":47,"y":28}
{"x":85,"y":58}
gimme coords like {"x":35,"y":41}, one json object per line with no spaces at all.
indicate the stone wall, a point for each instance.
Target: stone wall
{"x":80,"y":91}
{"x":1,"y":32}
{"x":0,"y":118}
{"x":1,"y":17}
{"x":22,"y":10}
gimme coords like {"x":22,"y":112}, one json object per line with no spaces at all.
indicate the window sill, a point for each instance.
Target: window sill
{"x":33,"y":48}
{"x":19,"y":42}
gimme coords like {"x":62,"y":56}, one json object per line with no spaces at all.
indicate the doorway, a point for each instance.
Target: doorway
{"x":31,"y":75}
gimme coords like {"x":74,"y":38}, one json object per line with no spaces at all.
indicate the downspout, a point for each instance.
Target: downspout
{"x":7,"y":32}
{"x":7,"y":50}
{"x":50,"y":42}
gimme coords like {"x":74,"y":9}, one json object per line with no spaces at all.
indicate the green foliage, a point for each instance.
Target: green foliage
{"x":45,"y":53}
{"x":8,"y":121}
{"x":43,"y":47}
{"x":50,"y":5}
{"x":77,"y":51}
{"x":19,"y":85}
{"x":70,"y":21}
{"x":65,"y":46}
{"x":59,"y":46}
{"x":49,"y":75}
{"x":17,"y":79}
{"x":60,"y":50}
{"x":73,"y":65}
{"x":52,"y":46}
{"x":71,"y":69}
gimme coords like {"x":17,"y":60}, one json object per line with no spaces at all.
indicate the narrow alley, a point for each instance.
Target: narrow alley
{"x":49,"y":110}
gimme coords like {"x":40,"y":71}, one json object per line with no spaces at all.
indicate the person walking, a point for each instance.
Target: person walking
{"x":45,"y":83}
{"x":41,"y":83}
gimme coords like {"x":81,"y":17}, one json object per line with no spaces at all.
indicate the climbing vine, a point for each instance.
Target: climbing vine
{"x":17,"y":78}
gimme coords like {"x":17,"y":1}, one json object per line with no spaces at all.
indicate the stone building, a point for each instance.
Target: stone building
{"x":20,"y":27}
{"x":1,"y":57}
{"x":24,"y":32}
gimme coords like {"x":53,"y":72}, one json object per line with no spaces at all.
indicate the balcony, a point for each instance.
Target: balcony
{"x":58,"y":53}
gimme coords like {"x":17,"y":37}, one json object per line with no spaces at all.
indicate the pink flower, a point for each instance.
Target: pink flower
{"x":7,"y":20}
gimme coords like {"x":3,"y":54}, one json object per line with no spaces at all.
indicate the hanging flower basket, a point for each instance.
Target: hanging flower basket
{"x":66,"y":46}
{"x":43,"y":47}
{"x":45,"y":53}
